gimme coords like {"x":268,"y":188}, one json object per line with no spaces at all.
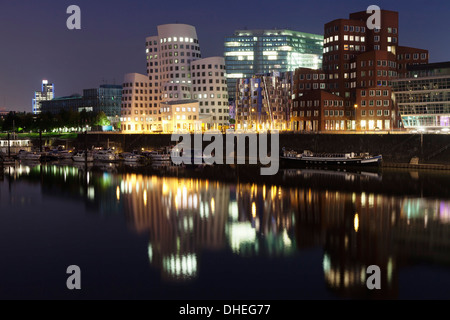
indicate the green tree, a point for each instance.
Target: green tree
{"x":102,"y":119}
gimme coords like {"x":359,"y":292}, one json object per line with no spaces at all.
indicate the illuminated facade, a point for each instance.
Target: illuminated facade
{"x":359,"y":65}
{"x":137,"y":113}
{"x":169,"y":55}
{"x":209,"y":85}
{"x":263,"y":102}
{"x":180,"y":116}
{"x":251,"y":52}
{"x":423,"y":97}
{"x":175,"y":72}
{"x":47,"y":93}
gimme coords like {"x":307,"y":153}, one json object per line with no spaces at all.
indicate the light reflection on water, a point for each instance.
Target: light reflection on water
{"x":184,"y":216}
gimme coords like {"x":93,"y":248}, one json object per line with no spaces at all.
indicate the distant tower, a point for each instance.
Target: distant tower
{"x":47,"y":93}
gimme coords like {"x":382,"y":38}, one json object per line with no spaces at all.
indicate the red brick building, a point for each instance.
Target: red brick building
{"x":358,"y":66}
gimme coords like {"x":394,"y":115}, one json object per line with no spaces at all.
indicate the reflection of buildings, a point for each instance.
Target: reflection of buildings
{"x":423,"y":230}
{"x":182,"y":216}
{"x":362,"y":229}
{"x":185,"y":216}
{"x":272,"y":218}
{"x":72,"y":182}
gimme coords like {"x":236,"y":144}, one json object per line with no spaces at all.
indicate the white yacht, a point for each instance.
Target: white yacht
{"x":132,"y":157}
{"x":107,"y":155}
{"x":81,"y":157}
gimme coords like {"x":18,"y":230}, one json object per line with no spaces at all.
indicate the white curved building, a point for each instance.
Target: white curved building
{"x":209,"y":87}
{"x":137,"y":113}
{"x":172,"y":56}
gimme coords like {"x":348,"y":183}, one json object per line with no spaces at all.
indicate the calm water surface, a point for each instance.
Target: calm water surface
{"x":222,"y":233}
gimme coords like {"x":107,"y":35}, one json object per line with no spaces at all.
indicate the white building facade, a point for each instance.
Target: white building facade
{"x":171,"y":56}
{"x":137,"y":113}
{"x":209,"y":87}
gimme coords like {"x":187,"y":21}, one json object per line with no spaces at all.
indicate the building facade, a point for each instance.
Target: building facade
{"x":209,"y":87}
{"x":423,"y":97}
{"x":181,"y":116}
{"x":47,"y":93}
{"x":137,"y":113}
{"x":175,"y":72}
{"x":264,"y":102}
{"x":359,"y":66}
{"x":252,"y":52}
{"x":107,"y":98}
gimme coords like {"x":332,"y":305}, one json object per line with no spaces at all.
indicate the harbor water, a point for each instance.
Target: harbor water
{"x":223,"y":232}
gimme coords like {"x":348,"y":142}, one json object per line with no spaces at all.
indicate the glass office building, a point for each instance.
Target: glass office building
{"x":251,"y":52}
{"x":107,"y":98}
{"x":423,"y":97}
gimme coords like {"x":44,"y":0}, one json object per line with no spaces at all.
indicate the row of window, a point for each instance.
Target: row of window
{"x":203,"y":81}
{"x":210,"y":74}
{"x":346,"y":38}
{"x":210,"y":89}
{"x":141,"y":105}
{"x":379,"y":103}
{"x":213,"y":103}
{"x":137,"y":84}
{"x":340,"y":113}
{"x":209,"y":66}
{"x":415,"y":56}
{"x":373,"y":93}
{"x":211,"y":96}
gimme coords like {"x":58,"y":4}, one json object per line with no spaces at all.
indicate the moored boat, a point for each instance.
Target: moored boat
{"x":161,"y":155}
{"x":308,"y":158}
{"x":62,"y":154}
{"x":132,"y":157}
{"x":82,"y":157}
{"x":27,"y":155}
{"x":107,"y":155}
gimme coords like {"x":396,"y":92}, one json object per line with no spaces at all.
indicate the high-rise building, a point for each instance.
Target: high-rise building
{"x":423,"y":97}
{"x":359,"y":65}
{"x":251,"y":52}
{"x":138,"y":113}
{"x":47,"y":93}
{"x":209,"y":85}
{"x":175,"y":72}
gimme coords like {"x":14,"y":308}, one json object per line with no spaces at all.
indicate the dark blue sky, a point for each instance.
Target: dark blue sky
{"x":35,"y":43}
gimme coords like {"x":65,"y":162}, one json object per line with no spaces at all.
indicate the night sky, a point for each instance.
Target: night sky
{"x":35,"y":43}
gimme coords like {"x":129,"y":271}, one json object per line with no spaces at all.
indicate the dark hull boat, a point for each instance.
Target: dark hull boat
{"x":309,"y":159}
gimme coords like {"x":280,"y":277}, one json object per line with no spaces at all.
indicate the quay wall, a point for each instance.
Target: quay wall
{"x":395,"y":148}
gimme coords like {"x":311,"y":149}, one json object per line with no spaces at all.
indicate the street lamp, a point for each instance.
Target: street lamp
{"x":356,"y":118}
